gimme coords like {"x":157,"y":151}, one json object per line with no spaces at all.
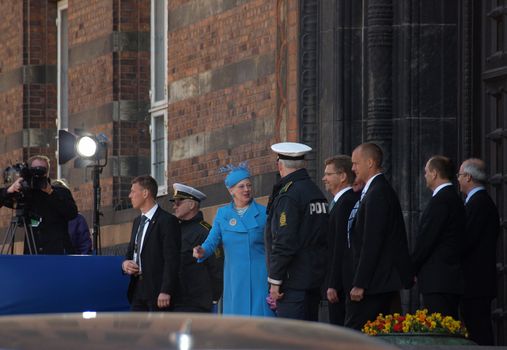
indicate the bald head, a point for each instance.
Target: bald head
{"x":372,"y":151}
{"x":367,"y":161}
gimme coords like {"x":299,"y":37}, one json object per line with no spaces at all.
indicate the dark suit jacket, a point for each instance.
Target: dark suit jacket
{"x":160,"y":256}
{"x":339,"y":274}
{"x":379,"y":245}
{"x":439,"y":244}
{"x":482,"y":229}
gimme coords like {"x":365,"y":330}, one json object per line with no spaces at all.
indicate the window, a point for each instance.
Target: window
{"x":159,"y":151}
{"x":158,"y":51}
{"x":62,"y":67}
{"x":158,"y":93}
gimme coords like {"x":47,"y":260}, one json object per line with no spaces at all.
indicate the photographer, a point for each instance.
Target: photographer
{"x":46,"y":208}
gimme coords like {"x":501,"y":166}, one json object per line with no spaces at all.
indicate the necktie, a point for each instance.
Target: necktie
{"x":138,"y":240}
{"x":331,"y":205}
{"x":352,"y":217}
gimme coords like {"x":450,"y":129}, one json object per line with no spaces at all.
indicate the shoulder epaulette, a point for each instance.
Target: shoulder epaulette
{"x":286,"y":187}
{"x":205,"y":225}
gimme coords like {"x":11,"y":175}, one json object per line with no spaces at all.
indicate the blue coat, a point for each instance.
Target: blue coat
{"x":245,"y":273}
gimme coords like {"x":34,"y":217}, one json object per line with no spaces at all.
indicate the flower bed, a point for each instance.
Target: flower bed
{"x":418,"y":328}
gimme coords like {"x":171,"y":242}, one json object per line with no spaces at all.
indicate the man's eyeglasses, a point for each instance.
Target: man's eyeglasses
{"x":178,"y":202}
{"x":460,"y":174}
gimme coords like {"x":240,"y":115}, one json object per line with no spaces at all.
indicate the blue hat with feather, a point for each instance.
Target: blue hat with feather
{"x":235,"y":174}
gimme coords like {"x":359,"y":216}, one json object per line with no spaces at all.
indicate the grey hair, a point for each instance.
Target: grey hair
{"x":293,"y":164}
{"x":475,"y":168}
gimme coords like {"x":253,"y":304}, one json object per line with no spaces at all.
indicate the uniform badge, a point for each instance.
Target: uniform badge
{"x":283,"y":219}
{"x":232,"y":222}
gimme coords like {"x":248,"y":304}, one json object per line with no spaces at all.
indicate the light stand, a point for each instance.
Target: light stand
{"x":97,"y":168}
{"x":91,"y":150}
{"x":96,"y":171}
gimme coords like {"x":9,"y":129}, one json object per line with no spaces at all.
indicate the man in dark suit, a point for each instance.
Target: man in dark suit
{"x":479,"y":258}
{"x":439,"y":242}
{"x":153,"y":255}
{"x":338,"y":179}
{"x":378,"y":242}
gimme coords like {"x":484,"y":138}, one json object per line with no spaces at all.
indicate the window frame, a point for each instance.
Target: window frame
{"x":162,"y":102}
{"x":162,"y":187}
{"x":158,"y":108}
{"x":62,"y":5}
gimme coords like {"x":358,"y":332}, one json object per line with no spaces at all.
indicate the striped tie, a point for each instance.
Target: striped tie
{"x":352,"y":217}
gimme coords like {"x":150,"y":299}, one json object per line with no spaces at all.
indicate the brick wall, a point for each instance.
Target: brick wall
{"x":109,"y":88}
{"x":11,"y":27}
{"x":27,"y":83}
{"x":223,"y":92}
{"x":39,"y":95}
{"x":232,"y":80}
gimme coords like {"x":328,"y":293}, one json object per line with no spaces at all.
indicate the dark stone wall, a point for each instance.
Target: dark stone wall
{"x":418,"y":79}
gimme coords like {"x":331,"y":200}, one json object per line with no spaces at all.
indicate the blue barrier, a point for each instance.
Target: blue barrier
{"x":61,"y":283}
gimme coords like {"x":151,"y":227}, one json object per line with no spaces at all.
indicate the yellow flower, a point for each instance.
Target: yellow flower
{"x":420,"y":321}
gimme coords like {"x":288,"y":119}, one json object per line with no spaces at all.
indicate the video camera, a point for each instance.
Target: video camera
{"x":34,"y":178}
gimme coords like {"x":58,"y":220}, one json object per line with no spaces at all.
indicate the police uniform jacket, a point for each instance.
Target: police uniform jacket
{"x":200,"y":284}
{"x":296,"y":235}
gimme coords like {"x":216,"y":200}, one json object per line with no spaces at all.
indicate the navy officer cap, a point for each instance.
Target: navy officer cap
{"x":291,"y":150}
{"x":182,"y":191}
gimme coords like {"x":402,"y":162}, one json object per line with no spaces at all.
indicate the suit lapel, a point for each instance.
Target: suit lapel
{"x":151,"y":224}
{"x":340,"y":200}
{"x":366,"y":196}
{"x":375,"y":182}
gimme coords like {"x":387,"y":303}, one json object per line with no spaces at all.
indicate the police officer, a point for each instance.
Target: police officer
{"x":296,"y":236}
{"x":200,"y":284}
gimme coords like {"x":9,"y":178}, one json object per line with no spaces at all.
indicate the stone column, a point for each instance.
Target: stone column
{"x":378,"y":79}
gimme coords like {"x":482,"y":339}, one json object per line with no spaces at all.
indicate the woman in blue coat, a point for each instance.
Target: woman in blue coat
{"x":239,"y":226}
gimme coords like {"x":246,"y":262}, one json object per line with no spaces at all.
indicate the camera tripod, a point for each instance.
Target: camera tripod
{"x":21,"y":219}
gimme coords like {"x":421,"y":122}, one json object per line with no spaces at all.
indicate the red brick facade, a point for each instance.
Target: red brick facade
{"x":232,"y":86}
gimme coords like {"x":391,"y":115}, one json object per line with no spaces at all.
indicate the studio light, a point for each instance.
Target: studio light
{"x":86,"y":146}
{"x":90,"y":151}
